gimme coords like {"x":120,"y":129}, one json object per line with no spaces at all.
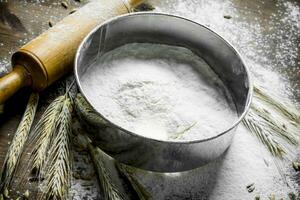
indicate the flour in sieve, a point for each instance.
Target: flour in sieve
{"x":159,"y":91}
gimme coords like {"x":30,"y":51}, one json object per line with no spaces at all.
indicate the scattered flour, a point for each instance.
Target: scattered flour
{"x":269,"y":43}
{"x":245,"y":162}
{"x":159,"y":91}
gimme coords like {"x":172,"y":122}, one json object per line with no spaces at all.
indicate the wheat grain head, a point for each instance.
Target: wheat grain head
{"x":17,"y":145}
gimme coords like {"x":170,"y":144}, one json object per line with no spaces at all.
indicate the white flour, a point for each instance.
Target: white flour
{"x":159,"y":91}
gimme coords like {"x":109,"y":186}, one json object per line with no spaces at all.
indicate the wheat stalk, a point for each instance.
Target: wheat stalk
{"x":15,"y":150}
{"x":58,"y":167}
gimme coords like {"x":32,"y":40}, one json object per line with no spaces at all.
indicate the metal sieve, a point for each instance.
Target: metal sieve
{"x":146,"y":27}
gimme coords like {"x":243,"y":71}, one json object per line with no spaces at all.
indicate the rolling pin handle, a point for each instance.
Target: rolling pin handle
{"x":12,"y":82}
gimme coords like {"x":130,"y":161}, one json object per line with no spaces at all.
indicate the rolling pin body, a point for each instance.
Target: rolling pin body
{"x":50,"y":56}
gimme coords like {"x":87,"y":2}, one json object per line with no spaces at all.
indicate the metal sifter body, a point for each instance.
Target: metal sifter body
{"x":146,"y":153}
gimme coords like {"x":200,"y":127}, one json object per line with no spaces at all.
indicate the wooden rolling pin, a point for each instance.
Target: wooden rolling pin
{"x":50,"y":56}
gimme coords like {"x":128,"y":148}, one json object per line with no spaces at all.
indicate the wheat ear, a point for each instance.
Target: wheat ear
{"x":87,"y":111}
{"x":58,"y":165}
{"x":270,"y":120}
{"x":43,"y":133}
{"x":109,"y":189}
{"x":288,"y":111}
{"x":275,"y":126}
{"x":254,"y":124}
{"x":138,"y":188}
{"x":17,"y":145}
